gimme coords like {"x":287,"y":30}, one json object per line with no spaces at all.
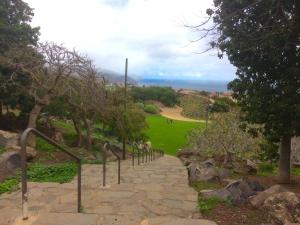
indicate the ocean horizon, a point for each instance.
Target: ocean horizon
{"x":199,"y":85}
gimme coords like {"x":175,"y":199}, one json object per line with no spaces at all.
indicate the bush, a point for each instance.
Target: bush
{"x":60,"y":173}
{"x":140,"y":105}
{"x":152,"y":109}
{"x":8,"y":185}
{"x":266,"y":169}
{"x":44,"y":146}
{"x":165,"y":95}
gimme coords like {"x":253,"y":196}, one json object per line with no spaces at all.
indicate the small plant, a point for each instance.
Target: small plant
{"x":295,"y":171}
{"x":2,"y":150}
{"x":207,"y":204}
{"x":9,"y":185}
{"x":266,"y":169}
{"x":60,"y":173}
{"x":152,"y":109}
{"x":44,"y":146}
{"x":202,"y":185}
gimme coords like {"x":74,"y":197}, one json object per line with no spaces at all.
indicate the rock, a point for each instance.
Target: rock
{"x":31,"y":153}
{"x":237,"y":191}
{"x":8,"y":139}
{"x":224,"y":173}
{"x":10,"y":161}
{"x":245,"y":167}
{"x":258,"y":200}
{"x":202,"y":172}
{"x":283,"y":208}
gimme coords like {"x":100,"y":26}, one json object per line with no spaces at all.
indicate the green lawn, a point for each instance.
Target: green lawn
{"x":169,"y":137}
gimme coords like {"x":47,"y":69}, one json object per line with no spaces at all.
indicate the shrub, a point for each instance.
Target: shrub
{"x":60,"y":173}
{"x":205,"y":205}
{"x":266,"y":169}
{"x":152,"y":109}
{"x":9,"y":185}
{"x":140,"y":105}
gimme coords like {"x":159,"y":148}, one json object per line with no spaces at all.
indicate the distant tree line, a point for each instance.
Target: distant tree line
{"x":165,"y":95}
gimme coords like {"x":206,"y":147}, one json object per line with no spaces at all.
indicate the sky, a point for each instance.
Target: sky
{"x":150,"y":33}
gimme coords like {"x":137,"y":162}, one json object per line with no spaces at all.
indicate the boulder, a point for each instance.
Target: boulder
{"x":245,"y":167}
{"x":283,"y":208}
{"x":8,"y":139}
{"x":258,"y":200}
{"x":237,"y":191}
{"x":31,"y":153}
{"x":10,"y":161}
{"x":202,"y":172}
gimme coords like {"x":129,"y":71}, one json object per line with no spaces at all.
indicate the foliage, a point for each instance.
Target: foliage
{"x":207,"y":204}
{"x":44,"y":146}
{"x":266,"y":169}
{"x":261,"y":39}
{"x":222,"y":105}
{"x":15,"y":31}
{"x":152,"y":109}
{"x":165,"y":95}
{"x":2,"y":150}
{"x":204,"y":185}
{"x":169,"y":136}
{"x":60,"y":173}
{"x":194,"y":106}
{"x":9,"y":185}
{"x":269,"y":151}
{"x":225,"y":137}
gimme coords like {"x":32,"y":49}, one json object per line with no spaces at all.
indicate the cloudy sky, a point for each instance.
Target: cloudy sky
{"x":150,"y":33}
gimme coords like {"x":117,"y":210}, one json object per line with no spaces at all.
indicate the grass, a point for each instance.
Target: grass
{"x":2,"y":150}
{"x":168,"y":136}
{"x":44,"y":146}
{"x":267,"y":169}
{"x":9,"y":185}
{"x":203,"y":185}
{"x":205,"y":205}
{"x":60,"y":173}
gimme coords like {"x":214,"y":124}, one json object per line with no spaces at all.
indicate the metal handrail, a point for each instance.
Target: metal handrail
{"x":23,"y":143}
{"x":105,"y":147}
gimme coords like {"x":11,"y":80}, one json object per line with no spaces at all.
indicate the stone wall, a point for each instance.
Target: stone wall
{"x":8,"y":139}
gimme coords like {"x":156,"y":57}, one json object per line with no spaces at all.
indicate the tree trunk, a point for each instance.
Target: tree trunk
{"x":33,"y":116}
{"x":78,"y":133}
{"x":87,"y":125}
{"x":285,"y":160}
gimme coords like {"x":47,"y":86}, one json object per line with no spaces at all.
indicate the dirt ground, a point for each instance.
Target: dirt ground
{"x":175,"y":114}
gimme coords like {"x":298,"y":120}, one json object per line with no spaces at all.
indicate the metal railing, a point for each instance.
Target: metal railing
{"x":23,"y":142}
{"x":107,"y":148}
{"x":144,"y":155}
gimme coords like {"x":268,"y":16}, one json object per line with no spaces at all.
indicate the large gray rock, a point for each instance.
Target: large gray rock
{"x":258,"y":200}
{"x":204,"y":171}
{"x":283,"y":208}
{"x":245,"y":167}
{"x":10,"y":161}
{"x":237,"y":191}
{"x":8,"y":139}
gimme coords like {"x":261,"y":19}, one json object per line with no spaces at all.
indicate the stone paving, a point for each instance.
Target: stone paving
{"x":156,"y":193}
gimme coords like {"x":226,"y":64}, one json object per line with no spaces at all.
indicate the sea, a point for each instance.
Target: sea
{"x":199,"y":85}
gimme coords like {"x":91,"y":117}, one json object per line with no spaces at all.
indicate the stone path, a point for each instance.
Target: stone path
{"x":155,"y":193}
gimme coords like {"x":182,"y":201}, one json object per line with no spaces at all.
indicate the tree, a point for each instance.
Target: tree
{"x":15,"y":31}
{"x":261,"y":38}
{"x":226,"y":136}
{"x":47,"y":67}
{"x":87,"y":98}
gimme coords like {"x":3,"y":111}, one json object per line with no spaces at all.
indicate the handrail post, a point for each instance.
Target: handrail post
{"x":79,"y":185}
{"x":119,"y":170}
{"x":104,"y":166}
{"x":138,"y":149}
{"x":23,"y":143}
{"x":133,"y":157}
{"x":24,"y":175}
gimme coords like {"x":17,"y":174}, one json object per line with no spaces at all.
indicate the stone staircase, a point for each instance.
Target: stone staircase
{"x":155,"y":193}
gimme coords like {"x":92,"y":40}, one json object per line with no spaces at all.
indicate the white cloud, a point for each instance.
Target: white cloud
{"x":149,"y":32}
